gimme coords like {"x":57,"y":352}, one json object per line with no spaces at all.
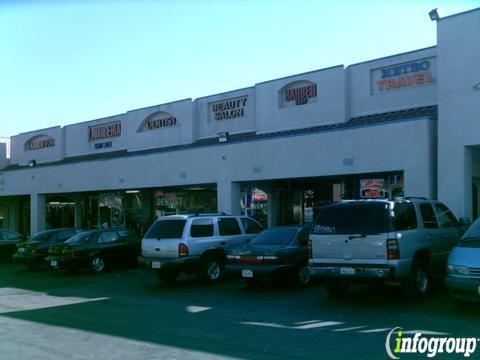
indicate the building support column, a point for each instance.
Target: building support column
{"x":228,"y":197}
{"x":272,"y":208}
{"x":38,"y":212}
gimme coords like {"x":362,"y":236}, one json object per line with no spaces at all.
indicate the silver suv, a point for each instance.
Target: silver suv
{"x":194,"y":244}
{"x":402,"y":242}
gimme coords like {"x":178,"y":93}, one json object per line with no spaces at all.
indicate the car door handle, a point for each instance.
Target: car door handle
{"x":222,"y":242}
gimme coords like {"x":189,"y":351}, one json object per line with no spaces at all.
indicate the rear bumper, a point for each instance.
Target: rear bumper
{"x":260,"y":270}
{"x":463,"y":288}
{"x":65,"y":261}
{"x":355,"y":271}
{"x":177,"y":264}
{"x":392,"y":270}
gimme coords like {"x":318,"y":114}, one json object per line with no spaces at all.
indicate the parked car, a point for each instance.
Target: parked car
{"x":32,"y":253}
{"x":401,"y":242}
{"x":8,"y":242}
{"x":463,"y":280}
{"x":194,"y":244}
{"x":95,"y":249}
{"x":280,"y":252}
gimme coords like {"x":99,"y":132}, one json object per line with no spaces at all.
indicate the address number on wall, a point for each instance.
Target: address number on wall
{"x":347,"y":161}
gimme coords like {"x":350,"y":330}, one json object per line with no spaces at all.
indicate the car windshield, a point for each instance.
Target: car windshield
{"x":166,"y":229}
{"x":80,"y":238}
{"x":42,"y":236}
{"x":354,"y":218}
{"x":274,"y":237}
{"x":472,"y":234}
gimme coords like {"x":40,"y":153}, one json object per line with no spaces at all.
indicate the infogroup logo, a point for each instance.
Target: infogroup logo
{"x":398,"y":343}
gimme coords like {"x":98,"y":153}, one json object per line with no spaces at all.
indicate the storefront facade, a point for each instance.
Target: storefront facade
{"x":278,"y":151}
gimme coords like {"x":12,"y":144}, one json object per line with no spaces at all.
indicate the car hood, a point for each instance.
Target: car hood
{"x":465,"y":256}
{"x":252,"y":249}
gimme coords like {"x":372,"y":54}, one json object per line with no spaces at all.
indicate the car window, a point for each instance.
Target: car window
{"x":107,"y":237}
{"x":445,"y":216}
{"x":276,"y":236}
{"x":405,"y":217}
{"x":428,"y":216}
{"x":353,"y":218}
{"x":251,"y":227}
{"x":9,"y":235}
{"x":80,"y":238}
{"x":228,"y":226}
{"x":43,"y":236}
{"x":166,"y":229}
{"x":65,"y":234}
{"x":201,"y":228}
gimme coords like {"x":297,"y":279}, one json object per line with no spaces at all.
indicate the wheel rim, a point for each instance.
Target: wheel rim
{"x":213,"y":270}
{"x":303,"y":275}
{"x":97,"y":264}
{"x":422,"y":281}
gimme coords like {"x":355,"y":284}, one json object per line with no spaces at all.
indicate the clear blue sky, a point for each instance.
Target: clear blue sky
{"x":63,"y":62}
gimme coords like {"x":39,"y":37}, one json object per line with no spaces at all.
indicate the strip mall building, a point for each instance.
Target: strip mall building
{"x":407,"y":124}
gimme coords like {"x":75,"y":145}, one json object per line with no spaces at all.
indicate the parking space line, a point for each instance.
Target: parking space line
{"x":265,"y":324}
{"x":374,"y":331}
{"x":351,"y":328}
{"x":425,"y":332}
{"x":307,"y":322}
{"x":318,"y":325}
{"x":196,"y":309}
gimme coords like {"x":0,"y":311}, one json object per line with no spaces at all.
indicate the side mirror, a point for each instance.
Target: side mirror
{"x":249,"y":241}
{"x":303,"y":242}
{"x":464,"y":221}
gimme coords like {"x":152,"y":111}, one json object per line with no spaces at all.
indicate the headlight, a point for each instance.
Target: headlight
{"x":458,"y":269}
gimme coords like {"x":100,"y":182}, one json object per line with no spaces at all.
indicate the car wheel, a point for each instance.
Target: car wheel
{"x":97,"y":264}
{"x":212,"y":269}
{"x":167,"y":276}
{"x":337,"y":287}
{"x":303,"y":276}
{"x":417,"y":285}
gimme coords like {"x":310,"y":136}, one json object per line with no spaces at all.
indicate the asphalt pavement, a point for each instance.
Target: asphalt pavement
{"x":127,"y":313}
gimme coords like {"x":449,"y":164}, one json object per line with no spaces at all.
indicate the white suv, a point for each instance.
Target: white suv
{"x":194,"y":244}
{"x":402,"y":242}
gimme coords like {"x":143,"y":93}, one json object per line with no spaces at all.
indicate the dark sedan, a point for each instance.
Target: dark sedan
{"x":8,"y":242}
{"x":280,"y":252}
{"x":95,"y":249}
{"x":32,"y":253}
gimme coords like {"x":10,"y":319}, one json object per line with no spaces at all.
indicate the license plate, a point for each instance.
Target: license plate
{"x":347,"y":271}
{"x":53,"y":263}
{"x":21,"y":250}
{"x":156,"y":264}
{"x":247,"y":273}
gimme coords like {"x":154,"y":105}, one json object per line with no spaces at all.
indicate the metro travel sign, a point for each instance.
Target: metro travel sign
{"x":406,"y":75}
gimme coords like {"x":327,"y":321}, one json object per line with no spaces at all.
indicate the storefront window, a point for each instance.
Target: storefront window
{"x":60,"y":212}
{"x":185,"y":201}
{"x":253,"y":203}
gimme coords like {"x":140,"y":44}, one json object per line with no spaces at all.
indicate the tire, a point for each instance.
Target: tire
{"x":337,"y":287}
{"x":168,"y":277}
{"x":417,"y":284}
{"x":97,"y":264}
{"x":302,"y":276}
{"x":212,"y":269}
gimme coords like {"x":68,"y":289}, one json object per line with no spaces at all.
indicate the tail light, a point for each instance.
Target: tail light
{"x":393,"y":250}
{"x":182,"y":250}
{"x":310,"y":251}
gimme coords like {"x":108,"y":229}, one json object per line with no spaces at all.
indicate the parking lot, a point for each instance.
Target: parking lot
{"x":127,"y":314}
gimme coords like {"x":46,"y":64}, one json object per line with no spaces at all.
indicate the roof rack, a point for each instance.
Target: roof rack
{"x":410,"y":198}
{"x":210,"y":214}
